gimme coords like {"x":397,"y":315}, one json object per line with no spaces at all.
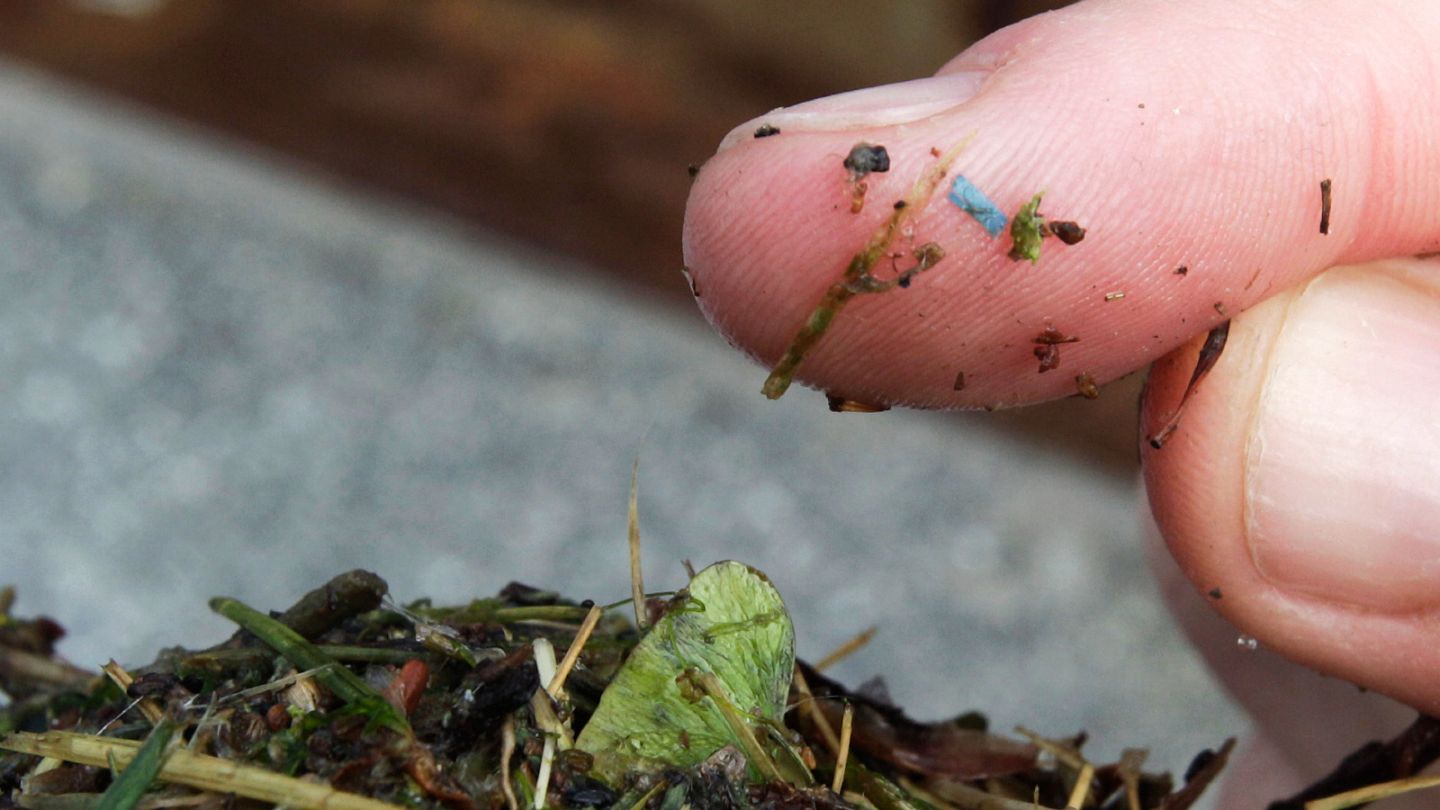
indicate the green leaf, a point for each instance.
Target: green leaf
{"x":128,"y":788}
{"x":730,"y":623}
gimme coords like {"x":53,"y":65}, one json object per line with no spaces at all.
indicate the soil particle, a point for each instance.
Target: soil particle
{"x":1068,"y":232}
{"x":865,"y":158}
{"x":1047,"y":349}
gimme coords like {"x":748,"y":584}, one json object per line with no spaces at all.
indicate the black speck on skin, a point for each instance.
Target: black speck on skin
{"x":1215,"y":593}
{"x":865,"y":158}
{"x":1182,"y":270}
{"x":693,"y":169}
{"x":766,"y":130}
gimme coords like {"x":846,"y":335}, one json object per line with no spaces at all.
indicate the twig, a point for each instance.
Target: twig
{"x":1080,"y":793}
{"x":572,"y":654}
{"x":1384,"y":790}
{"x":1064,"y":754}
{"x":344,"y":596}
{"x":194,"y":770}
{"x":20,"y":667}
{"x":847,"y":649}
{"x":637,"y":582}
{"x":1131,"y":760}
{"x":148,"y":707}
{"x":842,"y":758}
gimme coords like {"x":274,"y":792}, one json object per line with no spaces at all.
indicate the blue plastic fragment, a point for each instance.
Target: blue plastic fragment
{"x":974,"y":202}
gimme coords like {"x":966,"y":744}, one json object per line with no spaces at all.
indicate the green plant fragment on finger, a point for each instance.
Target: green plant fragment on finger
{"x":1027,"y":231}
{"x":729,"y":631}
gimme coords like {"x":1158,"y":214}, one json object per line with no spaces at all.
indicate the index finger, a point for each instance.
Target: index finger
{"x":1190,"y":140}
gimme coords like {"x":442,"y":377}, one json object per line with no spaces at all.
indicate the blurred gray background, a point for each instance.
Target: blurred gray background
{"x":220,"y":373}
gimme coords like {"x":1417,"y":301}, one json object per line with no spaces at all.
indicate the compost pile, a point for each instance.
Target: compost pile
{"x":348,"y":702}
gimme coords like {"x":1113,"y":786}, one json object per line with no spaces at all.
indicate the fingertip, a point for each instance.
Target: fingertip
{"x":1176,"y":140}
{"x":1289,"y":485}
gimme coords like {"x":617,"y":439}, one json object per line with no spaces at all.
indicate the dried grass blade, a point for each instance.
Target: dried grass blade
{"x":1370,"y":793}
{"x":200,"y":771}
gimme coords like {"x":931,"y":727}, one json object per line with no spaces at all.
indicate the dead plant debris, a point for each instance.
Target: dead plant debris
{"x":391,"y":721}
{"x":857,"y":277}
{"x":1325,"y":206}
{"x":839,"y":404}
{"x":1047,"y":348}
{"x":1210,"y":353}
{"x":1085,"y":384}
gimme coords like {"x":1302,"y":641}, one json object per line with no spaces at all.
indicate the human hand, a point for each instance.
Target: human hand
{"x":1304,"y":482}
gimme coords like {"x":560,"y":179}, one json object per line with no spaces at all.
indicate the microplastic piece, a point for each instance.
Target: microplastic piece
{"x":973,"y":201}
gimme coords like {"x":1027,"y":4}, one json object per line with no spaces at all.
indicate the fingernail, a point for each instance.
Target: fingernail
{"x":872,"y":107}
{"x":1343,"y":465}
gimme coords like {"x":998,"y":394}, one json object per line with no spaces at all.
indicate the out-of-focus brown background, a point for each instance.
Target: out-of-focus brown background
{"x":565,"y":123}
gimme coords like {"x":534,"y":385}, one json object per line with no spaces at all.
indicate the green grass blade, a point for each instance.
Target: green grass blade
{"x":346,"y":685}
{"x":128,"y":788}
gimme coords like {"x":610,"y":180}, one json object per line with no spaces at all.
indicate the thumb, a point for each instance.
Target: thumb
{"x":1190,"y":135}
{"x":1300,"y":492}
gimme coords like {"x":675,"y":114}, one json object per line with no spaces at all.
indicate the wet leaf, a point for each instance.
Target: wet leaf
{"x":730,"y":623}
